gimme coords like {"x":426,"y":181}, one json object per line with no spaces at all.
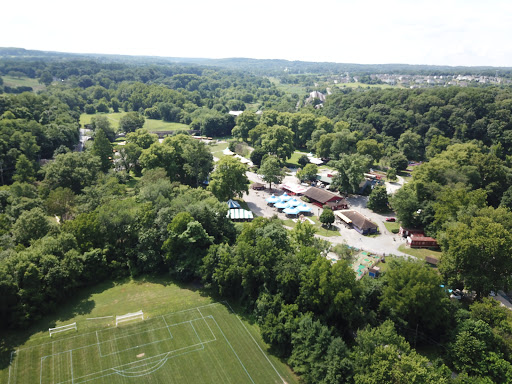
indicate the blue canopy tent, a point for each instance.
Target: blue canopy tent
{"x":294,"y":202}
{"x":272,"y":199}
{"x":233,"y":204}
{"x":281,"y":205}
{"x":285,"y":197}
{"x":303,"y":208}
{"x":291,"y":211}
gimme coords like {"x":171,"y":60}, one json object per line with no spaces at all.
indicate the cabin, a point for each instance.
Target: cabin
{"x":357,"y":221}
{"x":404,"y":232}
{"x":321,"y":197}
{"x":420,"y":241}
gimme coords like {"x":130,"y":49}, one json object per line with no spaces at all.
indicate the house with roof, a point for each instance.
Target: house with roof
{"x":321,"y":197}
{"x":357,"y":221}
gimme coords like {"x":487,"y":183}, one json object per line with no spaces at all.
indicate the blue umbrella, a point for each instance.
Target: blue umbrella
{"x":303,"y":208}
{"x":272,"y":199}
{"x":281,"y":204}
{"x":233,"y":204}
{"x":285,"y":197}
{"x":294,"y":202}
{"x":291,"y":211}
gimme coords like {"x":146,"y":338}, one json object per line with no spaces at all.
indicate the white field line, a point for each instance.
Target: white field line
{"x":71,"y":364}
{"x":238,"y":357}
{"x":117,"y":370}
{"x":89,"y":333}
{"x":255,"y":342}
{"x":167,"y":325}
{"x":208,"y":325}
{"x":10,"y":366}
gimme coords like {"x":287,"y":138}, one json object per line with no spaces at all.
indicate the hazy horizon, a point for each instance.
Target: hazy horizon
{"x":451,"y":33}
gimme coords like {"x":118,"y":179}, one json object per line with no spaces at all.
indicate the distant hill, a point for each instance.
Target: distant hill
{"x":264,"y":66}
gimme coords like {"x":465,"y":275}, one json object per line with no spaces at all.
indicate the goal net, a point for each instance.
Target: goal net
{"x":129,"y":317}
{"x":62,"y":328}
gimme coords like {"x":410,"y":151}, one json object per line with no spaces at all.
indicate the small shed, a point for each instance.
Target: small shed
{"x":431,"y":260}
{"x":404,"y":232}
{"x":374,"y":272}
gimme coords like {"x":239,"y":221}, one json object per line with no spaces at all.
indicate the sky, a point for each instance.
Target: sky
{"x":435,"y":32}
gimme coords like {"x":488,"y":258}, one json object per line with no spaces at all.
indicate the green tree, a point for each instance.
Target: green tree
{"x":74,"y":170}
{"x":24,"y":170}
{"x":410,"y":144}
{"x":244,"y":123}
{"x":271,"y":170}
{"x":60,"y":202}
{"x":141,"y":138}
{"x":371,"y":148}
{"x":129,"y":157}
{"x":412,"y":296}
{"x":391,"y":174}
{"x":308,"y":173}
{"x":378,"y":199}
{"x":278,"y":141}
{"x":477,"y":253}
{"x":351,"y":169}
{"x":30,"y":225}
{"x":229,"y":179}
{"x":103,"y":149}
{"x":303,"y":160}
{"x":398,"y":161}
{"x":101,"y":122}
{"x":406,"y":205}
{"x":186,"y":245}
{"x":327,"y":217}
{"x":130,"y":122}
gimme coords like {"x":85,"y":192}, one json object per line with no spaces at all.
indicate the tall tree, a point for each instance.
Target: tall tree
{"x":351,"y":169}
{"x":24,"y":170}
{"x":271,"y":170}
{"x":131,"y":122}
{"x":477,"y":253}
{"x":229,"y":179}
{"x":378,"y":199}
{"x":278,"y":141}
{"x":103,"y":149}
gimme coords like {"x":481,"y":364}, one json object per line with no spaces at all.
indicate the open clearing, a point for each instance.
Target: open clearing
{"x":205,"y":342}
{"x":150,"y":124}
{"x":11,"y":81}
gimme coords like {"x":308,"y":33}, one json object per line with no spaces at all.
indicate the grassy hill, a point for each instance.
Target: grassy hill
{"x":185,"y":337}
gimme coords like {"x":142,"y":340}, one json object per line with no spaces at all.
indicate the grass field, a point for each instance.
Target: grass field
{"x":185,"y":337}
{"x":420,"y":253}
{"x":150,"y":124}
{"x":390,"y":226}
{"x":216,"y":149}
{"x":320,"y":230}
{"x":23,"y":82}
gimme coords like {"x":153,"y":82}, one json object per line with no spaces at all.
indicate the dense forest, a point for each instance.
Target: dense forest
{"x":72,"y":219}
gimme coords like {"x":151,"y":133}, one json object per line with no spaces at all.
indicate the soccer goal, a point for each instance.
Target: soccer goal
{"x":62,"y":328}
{"x":129,"y":317}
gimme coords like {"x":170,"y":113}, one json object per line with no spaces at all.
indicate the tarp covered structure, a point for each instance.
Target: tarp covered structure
{"x":240,"y":214}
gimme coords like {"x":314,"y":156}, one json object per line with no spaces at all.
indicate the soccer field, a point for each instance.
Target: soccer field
{"x":205,"y":344}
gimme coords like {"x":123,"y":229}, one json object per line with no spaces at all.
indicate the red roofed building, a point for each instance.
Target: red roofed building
{"x":418,"y":241}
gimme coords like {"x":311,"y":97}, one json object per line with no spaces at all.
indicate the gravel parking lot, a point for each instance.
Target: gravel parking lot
{"x":385,"y":243}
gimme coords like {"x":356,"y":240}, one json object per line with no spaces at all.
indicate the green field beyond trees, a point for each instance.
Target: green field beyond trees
{"x":151,"y":125}
{"x":185,"y":337}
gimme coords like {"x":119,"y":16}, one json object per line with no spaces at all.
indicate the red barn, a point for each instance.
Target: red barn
{"x":321,"y":197}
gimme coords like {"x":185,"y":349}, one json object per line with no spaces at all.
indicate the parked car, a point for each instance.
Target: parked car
{"x":456,"y":294}
{"x":392,"y":219}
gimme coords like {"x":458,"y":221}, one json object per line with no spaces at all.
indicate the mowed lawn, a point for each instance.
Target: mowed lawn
{"x":185,"y":337}
{"x":151,"y":125}
{"x":11,"y":81}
